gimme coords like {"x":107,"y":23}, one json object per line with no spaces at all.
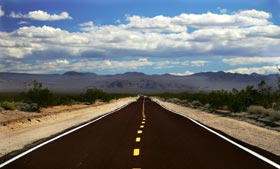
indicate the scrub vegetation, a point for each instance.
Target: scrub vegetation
{"x":259,"y":101}
{"x":39,"y":96}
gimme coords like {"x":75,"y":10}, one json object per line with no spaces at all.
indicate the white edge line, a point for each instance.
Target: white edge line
{"x":227,"y":139}
{"x":59,"y":136}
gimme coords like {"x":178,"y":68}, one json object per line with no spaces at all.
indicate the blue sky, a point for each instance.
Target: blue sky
{"x":173,"y":36}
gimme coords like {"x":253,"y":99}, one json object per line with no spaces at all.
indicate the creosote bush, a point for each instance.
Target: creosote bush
{"x":234,"y":101}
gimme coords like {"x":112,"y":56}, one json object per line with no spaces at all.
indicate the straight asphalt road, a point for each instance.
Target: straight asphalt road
{"x":142,"y":135}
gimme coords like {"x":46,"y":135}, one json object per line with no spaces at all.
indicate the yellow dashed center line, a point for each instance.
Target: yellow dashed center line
{"x":136,"y":152}
{"x":143,"y":109}
{"x":138,"y":139}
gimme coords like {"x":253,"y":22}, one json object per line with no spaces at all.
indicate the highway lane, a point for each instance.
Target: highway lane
{"x":142,"y":135}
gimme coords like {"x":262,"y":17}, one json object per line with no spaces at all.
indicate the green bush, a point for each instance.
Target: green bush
{"x":8,"y":105}
{"x":196,"y":103}
{"x":42,"y":97}
{"x":92,"y":95}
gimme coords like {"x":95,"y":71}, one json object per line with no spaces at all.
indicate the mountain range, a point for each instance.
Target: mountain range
{"x":133,"y":82}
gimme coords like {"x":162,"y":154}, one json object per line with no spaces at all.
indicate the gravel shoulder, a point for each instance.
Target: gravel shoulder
{"x":257,"y":136}
{"x":19,"y":129}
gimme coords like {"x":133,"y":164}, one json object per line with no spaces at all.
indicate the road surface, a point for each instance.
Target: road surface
{"x":142,"y":135}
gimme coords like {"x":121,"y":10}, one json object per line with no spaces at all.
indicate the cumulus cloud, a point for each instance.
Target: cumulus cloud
{"x":245,"y":33}
{"x":2,"y":13}
{"x":23,"y":23}
{"x":146,"y":37}
{"x":254,"y":13}
{"x":260,"y":70}
{"x":61,"y":65}
{"x":172,"y":64}
{"x":186,"y":73}
{"x":41,"y":16}
{"x":87,"y":26}
{"x":251,"y":60}
{"x":222,"y":10}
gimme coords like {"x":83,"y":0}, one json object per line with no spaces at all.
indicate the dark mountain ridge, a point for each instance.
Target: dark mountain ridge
{"x":133,"y":82}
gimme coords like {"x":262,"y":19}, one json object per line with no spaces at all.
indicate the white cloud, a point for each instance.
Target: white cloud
{"x":260,"y":70}
{"x":156,"y":24}
{"x":23,"y":23}
{"x":198,"y":63}
{"x":87,"y":24}
{"x":251,"y":60}
{"x":118,"y":21}
{"x":222,"y":10}
{"x":2,"y":13}
{"x":85,"y":65}
{"x":255,"y":14}
{"x":186,"y":73}
{"x":159,"y":36}
{"x":215,"y":20}
{"x":41,"y":16}
{"x":172,"y":64}
{"x":81,"y":65}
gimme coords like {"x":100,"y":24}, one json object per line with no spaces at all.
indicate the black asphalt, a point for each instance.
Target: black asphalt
{"x":168,"y":141}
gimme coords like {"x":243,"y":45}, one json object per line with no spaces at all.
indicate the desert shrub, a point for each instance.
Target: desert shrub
{"x":93,"y":94}
{"x":253,"y":109}
{"x":207,"y":106}
{"x":66,"y":100}
{"x":196,"y":103}
{"x":33,"y":107}
{"x":224,"y":108}
{"x":174,"y":100}
{"x":183,"y":101}
{"x":23,"y":106}
{"x":274,"y":115}
{"x":43,"y":97}
{"x":276,"y":106}
{"x":8,"y":105}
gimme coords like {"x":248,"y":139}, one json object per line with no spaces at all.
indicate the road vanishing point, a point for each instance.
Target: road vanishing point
{"x":142,"y":135}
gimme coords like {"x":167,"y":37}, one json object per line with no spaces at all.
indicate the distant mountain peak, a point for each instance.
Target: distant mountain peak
{"x":134,"y":73}
{"x":74,"y":73}
{"x":255,"y":74}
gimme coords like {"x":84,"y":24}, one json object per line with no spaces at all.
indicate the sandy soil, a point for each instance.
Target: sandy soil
{"x":261,"y":137}
{"x":19,"y":129}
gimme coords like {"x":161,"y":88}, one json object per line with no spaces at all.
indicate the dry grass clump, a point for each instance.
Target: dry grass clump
{"x":273,"y":115}
{"x":257,"y":110}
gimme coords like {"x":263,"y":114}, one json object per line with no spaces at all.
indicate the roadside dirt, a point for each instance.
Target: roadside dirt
{"x":257,"y":136}
{"x":19,"y":129}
